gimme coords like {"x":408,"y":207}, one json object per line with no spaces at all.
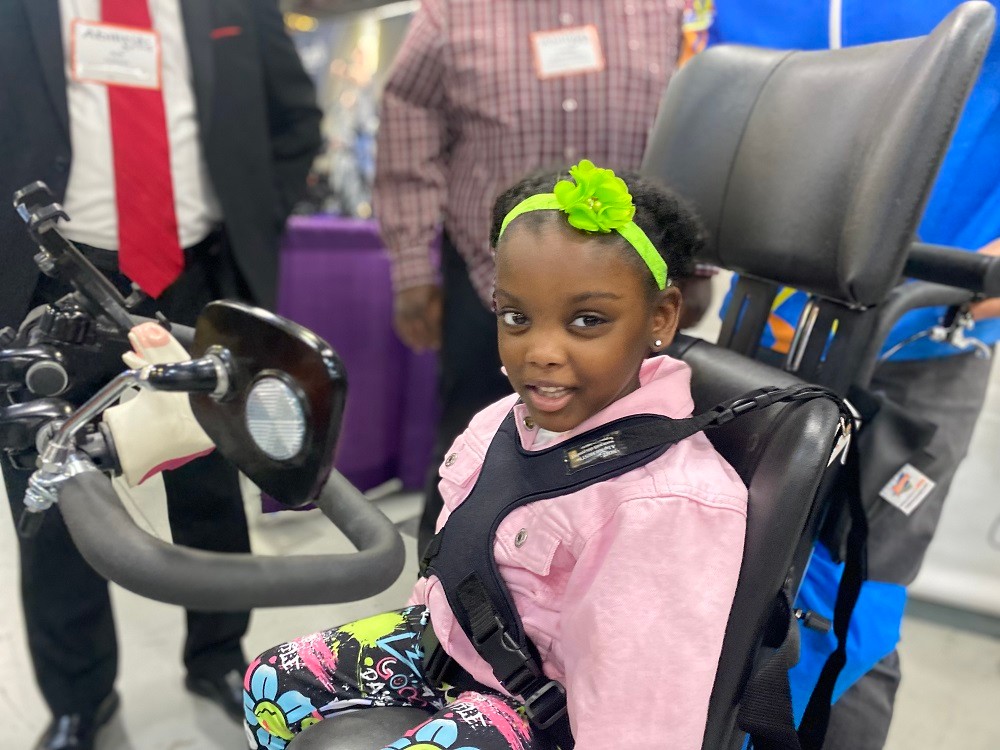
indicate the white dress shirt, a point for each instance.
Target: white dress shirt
{"x":90,"y":194}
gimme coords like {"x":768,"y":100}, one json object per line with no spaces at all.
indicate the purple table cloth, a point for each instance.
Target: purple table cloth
{"x":335,"y":281}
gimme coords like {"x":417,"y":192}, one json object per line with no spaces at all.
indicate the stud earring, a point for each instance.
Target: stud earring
{"x":657,"y":344}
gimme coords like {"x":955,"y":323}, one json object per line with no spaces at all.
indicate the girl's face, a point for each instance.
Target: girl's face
{"x":574,"y":322}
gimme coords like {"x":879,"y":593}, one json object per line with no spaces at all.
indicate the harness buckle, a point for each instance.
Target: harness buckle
{"x":514,"y":667}
{"x":545,"y":707}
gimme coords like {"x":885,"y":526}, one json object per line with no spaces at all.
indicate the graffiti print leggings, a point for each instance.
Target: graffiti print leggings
{"x":376,"y":661}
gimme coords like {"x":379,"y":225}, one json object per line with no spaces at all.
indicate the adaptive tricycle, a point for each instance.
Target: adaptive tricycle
{"x":795,"y":190}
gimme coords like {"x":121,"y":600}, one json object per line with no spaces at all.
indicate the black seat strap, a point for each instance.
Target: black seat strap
{"x":766,"y":705}
{"x":816,"y":719}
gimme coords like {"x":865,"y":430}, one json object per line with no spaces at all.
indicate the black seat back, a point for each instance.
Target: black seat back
{"x":812,"y":169}
{"x":781,"y":454}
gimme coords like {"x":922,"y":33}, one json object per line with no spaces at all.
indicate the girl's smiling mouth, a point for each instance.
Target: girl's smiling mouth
{"x":549,"y":398}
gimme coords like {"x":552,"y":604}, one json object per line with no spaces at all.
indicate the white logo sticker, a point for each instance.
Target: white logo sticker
{"x":907,"y":489}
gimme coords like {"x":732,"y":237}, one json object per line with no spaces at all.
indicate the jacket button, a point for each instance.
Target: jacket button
{"x":521,"y":538}
{"x":450,"y":460}
{"x":61,"y":164}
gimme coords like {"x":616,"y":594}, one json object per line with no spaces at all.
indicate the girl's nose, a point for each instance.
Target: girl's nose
{"x":545,"y":350}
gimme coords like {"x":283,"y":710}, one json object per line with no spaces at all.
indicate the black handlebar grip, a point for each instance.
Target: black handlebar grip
{"x":976,"y":272}
{"x":119,"y":550}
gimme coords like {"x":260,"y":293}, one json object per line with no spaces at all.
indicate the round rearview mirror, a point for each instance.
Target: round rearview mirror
{"x":280,"y":418}
{"x":275,"y":418}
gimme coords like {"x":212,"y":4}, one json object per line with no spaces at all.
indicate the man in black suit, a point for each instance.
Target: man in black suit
{"x":235,"y":120}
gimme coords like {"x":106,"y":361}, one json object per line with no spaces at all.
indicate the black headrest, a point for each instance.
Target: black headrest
{"x":812,"y":168}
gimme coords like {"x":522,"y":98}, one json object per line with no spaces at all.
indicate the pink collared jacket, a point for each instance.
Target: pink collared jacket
{"x":625,"y":586}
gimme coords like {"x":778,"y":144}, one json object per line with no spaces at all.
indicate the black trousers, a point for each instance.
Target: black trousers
{"x":469,"y":377}
{"x":67,"y":610}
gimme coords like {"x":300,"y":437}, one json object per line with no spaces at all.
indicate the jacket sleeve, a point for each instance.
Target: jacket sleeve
{"x":411,"y":156}
{"x":293,"y":117}
{"x":647,"y":605}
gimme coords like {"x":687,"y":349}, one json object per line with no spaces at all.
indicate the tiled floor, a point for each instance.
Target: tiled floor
{"x":949,"y":698}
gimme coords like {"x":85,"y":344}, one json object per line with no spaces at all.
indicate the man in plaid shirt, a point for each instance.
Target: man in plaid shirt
{"x":481,"y":93}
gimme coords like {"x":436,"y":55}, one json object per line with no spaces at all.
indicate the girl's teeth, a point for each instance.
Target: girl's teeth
{"x":551,"y":390}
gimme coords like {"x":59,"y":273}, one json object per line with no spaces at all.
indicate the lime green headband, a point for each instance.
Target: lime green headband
{"x":599,"y":201}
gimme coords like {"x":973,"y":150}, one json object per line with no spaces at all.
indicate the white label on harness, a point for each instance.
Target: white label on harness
{"x":907,"y":489}
{"x":597,"y":451}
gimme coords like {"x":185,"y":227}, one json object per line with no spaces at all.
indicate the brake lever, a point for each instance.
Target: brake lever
{"x":952,"y":330}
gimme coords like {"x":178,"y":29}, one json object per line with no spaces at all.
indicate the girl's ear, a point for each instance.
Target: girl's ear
{"x":666,"y":314}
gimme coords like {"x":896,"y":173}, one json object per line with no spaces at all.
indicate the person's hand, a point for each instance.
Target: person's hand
{"x":988,"y":308}
{"x":418,"y":317}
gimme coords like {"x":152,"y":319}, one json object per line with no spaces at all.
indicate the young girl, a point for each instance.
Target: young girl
{"x":624,"y":586}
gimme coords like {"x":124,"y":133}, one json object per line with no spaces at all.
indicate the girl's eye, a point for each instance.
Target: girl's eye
{"x":587,"y":321}
{"x":511,"y":318}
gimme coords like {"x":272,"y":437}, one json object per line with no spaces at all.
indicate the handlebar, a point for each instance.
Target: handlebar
{"x":975,"y":272}
{"x":213,"y":581}
{"x":901,"y":300}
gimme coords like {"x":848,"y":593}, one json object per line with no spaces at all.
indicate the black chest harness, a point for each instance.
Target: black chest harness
{"x":461,"y":554}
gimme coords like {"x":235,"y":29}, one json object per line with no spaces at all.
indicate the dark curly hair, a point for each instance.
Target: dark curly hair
{"x":669,"y":223}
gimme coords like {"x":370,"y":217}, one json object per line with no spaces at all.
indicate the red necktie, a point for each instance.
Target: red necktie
{"x":149,"y":250}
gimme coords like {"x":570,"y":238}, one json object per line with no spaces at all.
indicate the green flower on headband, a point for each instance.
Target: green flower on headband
{"x":598,"y":202}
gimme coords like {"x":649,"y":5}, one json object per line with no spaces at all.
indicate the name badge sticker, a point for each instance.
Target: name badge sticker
{"x":114,"y":55}
{"x":566,"y":52}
